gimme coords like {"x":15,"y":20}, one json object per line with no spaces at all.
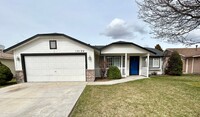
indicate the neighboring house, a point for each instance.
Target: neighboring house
{"x":190,"y":58}
{"x":7,"y":59}
{"x":58,"y":57}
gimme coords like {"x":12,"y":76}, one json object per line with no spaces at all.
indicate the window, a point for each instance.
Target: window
{"x":52,"y":44}
{"x":114,"y":61}
{"x":123,"y":61}
{"x":150,"y":62}
{"x":144,"y":61}
{"x":156,"y":62}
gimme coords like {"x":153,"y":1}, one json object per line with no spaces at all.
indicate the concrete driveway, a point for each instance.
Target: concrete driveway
{"x":40,"y":99}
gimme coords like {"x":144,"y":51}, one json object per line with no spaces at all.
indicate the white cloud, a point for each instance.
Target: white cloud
{"x":120,"y":29}
{"x":194,"y":35}
{"x":140,"y":29}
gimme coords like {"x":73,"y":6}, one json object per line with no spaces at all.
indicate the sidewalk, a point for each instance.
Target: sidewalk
{"x":129,"y":78}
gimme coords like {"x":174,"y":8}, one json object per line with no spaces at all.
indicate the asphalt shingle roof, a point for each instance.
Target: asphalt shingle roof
{"x":47,"y":34}
{"x":156,"y":52}
{"x":5,"y":55}
{"x":186,"y":52}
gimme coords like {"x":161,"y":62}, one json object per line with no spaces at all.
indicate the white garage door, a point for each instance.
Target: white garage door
{"x":55,"y":68}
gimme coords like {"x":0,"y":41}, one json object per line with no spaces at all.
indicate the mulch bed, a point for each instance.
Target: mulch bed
{"x":99,"y":79}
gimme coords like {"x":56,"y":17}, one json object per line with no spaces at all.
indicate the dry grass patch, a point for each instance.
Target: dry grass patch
{"x":158,"y":96}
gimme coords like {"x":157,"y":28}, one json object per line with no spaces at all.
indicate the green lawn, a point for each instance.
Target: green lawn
{"x":12,"y":82}
{"x":158,"y":96}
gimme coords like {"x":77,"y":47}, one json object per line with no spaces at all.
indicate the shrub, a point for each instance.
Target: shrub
{"x":5,"y":74}
{"x":113,"y":72}
{"x":154,"y":73}
{"x":175,"y":65}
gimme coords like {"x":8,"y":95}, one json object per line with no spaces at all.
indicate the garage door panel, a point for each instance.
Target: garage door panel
{"x":57,"y":72}
{"x":55,"y":68}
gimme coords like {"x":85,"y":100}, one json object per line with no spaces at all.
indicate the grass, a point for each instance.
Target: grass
{"x":158,"y":96}
{"x":12,"y":82}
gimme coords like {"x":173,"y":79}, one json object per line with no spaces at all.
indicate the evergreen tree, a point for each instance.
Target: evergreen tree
{"x":5,"y":74}
{"x":175,"y":65}
{"x":158,"y":47}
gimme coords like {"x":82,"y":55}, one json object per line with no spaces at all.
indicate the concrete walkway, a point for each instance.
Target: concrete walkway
{"x":129,"y":78}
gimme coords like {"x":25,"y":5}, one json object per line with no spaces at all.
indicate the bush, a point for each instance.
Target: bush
{"x":154,"y":73}
{"x":5,"y":74}
{"x":114,"y":73}
{"x":175,"y":65}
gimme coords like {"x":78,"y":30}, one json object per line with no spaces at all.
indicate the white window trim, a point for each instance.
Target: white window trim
{"x":158,"y":59}
{"x":51,"y":42}
{"x":112,"y":58}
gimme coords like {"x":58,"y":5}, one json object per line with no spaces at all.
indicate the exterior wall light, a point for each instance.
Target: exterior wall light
{"x":18,"y":59}
{"x":90,"y":58}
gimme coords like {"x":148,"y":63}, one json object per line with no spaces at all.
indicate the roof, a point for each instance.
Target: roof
{"x":5,"y":56}
{"x":187,"y":52}
{"x":101,"y":47}
{"x":157,"y":52}
{"x":47,"y":34}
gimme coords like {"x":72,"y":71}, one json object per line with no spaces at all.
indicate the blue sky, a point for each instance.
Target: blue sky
{"x":92,"y":21}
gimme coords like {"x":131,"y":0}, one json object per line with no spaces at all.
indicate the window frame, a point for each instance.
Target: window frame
{"x":155,"y":66}
{"x":110,"y":61}
{"x":51,"y":41}
{"x":144,"y":62}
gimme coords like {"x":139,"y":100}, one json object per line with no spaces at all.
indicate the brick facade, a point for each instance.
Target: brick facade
{"x":90,"y":75}
{"x":19,"y":76}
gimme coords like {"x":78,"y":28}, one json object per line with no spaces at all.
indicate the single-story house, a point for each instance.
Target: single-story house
{"x":59,"y":57}
{"x":117,"y":59}
{"x":7,"y":59}
{"x":190,"y":58}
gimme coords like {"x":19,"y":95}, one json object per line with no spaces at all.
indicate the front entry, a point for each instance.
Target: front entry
{"x":134,"y":65}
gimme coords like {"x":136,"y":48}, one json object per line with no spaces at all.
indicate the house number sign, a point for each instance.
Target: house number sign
{"x":79,"y":50}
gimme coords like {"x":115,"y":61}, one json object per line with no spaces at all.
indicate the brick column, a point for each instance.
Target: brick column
{"x":19,"y":76}
{"x":90,"y":75}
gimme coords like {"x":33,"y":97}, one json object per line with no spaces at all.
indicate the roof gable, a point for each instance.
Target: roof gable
{"x":48,"y":34}
{"x":123,"y":43}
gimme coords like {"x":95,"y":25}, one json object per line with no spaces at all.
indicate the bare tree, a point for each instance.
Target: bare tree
{"x":103,"y":68}
{"x":171,"y":20}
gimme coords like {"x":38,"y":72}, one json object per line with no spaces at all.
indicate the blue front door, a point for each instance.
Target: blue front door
{"x":134,"y":65}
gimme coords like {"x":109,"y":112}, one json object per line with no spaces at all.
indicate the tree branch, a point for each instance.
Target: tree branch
{"x":171,"y":20}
